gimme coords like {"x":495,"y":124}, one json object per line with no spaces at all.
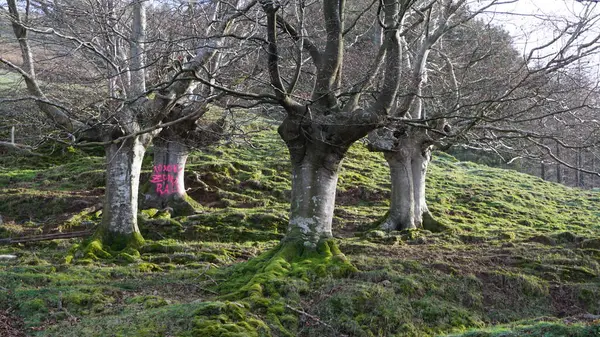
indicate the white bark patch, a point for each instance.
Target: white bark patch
{"x":388,"y":226}
{"x":304,"y":224}
{"x":310,"y":244}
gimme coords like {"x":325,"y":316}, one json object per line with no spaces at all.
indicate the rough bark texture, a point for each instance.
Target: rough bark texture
{"x":558,"y":166}
{"x":166,"y":187}
{"x":402,"y":205}
{"x":119,"y":222}
{"x":313,"y":197}
{"x":408,"y":207}
{"x":316,"y":152}
{"x":408,"y":153}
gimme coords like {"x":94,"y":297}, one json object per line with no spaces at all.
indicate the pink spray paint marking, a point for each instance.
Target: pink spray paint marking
{"x":165,"y":179}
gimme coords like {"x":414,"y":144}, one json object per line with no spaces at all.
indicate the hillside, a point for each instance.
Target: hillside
{"x":515,"y":255}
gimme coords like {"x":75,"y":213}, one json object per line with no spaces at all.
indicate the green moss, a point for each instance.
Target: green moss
{"x":95,"y":250}
{"x":160,"y":227}
{"x":543,"y":239}
{"x":26,"y":204}
{"x":541,"y":329}
{"x":432,"y":224}
{"x":507,"y":236}
{"x":444,"y":315}
{"x":292,"y":258}
{"x":478,"y":269}
{"x":146,"y":267}
{"x":86,"y":300}
{"x":34,"y":306}
{"x":262,"y":284}
{"x":120,"y":241}
{"x":103,"y":246}
{"x":228,"y":319}
{"x":148,"y":301}
{"x":231,"y":224}
{"x":148,"y":213}
{"x":163,"y":246}
{"x":129,"y":255}
{"x":566,"y":238}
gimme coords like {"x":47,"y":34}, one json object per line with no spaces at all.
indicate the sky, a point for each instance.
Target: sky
{"x":533,"y":23}
{"x":525,"y":18}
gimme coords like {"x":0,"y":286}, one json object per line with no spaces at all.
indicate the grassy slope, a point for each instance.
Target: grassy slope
{"x":520,"y":255}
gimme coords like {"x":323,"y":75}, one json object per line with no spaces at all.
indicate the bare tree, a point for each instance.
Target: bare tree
{"x":173,"y":144}
{"x":129,"y":114}
{"x":503,"y":99}
{"x":407,"y":147}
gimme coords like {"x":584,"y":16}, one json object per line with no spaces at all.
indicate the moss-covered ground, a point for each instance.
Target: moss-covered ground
{"x":517,"y":256}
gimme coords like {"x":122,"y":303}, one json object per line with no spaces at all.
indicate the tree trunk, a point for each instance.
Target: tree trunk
{"x":420,"y":162}
{"x":543,"y":170}
{"x":119,"y":220}
{"x":166,"y":187}
{"x":316,"y":152}
{"x":314,"y":181}
{"x":402,"y":203}
{"x":408,"y":207}
{"x":580,"y":164}
{"x":594,"y":177}
{"x":558,"y":167}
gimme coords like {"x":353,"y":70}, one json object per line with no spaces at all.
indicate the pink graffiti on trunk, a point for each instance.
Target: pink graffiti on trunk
{"x":164,"y":178}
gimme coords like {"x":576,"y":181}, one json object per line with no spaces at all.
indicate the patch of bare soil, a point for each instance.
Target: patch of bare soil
{"x":355,"y":195}
{"x":567,"y":304}
{"x":10,"y":325}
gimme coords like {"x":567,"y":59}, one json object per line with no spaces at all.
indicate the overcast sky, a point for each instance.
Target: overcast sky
{"x":526,"y":17}
{"x":533,"y":23}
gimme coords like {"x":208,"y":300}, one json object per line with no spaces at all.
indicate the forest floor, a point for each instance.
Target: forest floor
{"x":515,"y":255}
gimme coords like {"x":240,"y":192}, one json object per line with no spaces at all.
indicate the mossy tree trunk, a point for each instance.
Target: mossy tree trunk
{"x":408,"y":153}
{"x":316,"y":152}
{"x":119,"y":226}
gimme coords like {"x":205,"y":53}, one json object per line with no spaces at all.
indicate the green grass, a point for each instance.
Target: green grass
{"x":520,"y":256}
